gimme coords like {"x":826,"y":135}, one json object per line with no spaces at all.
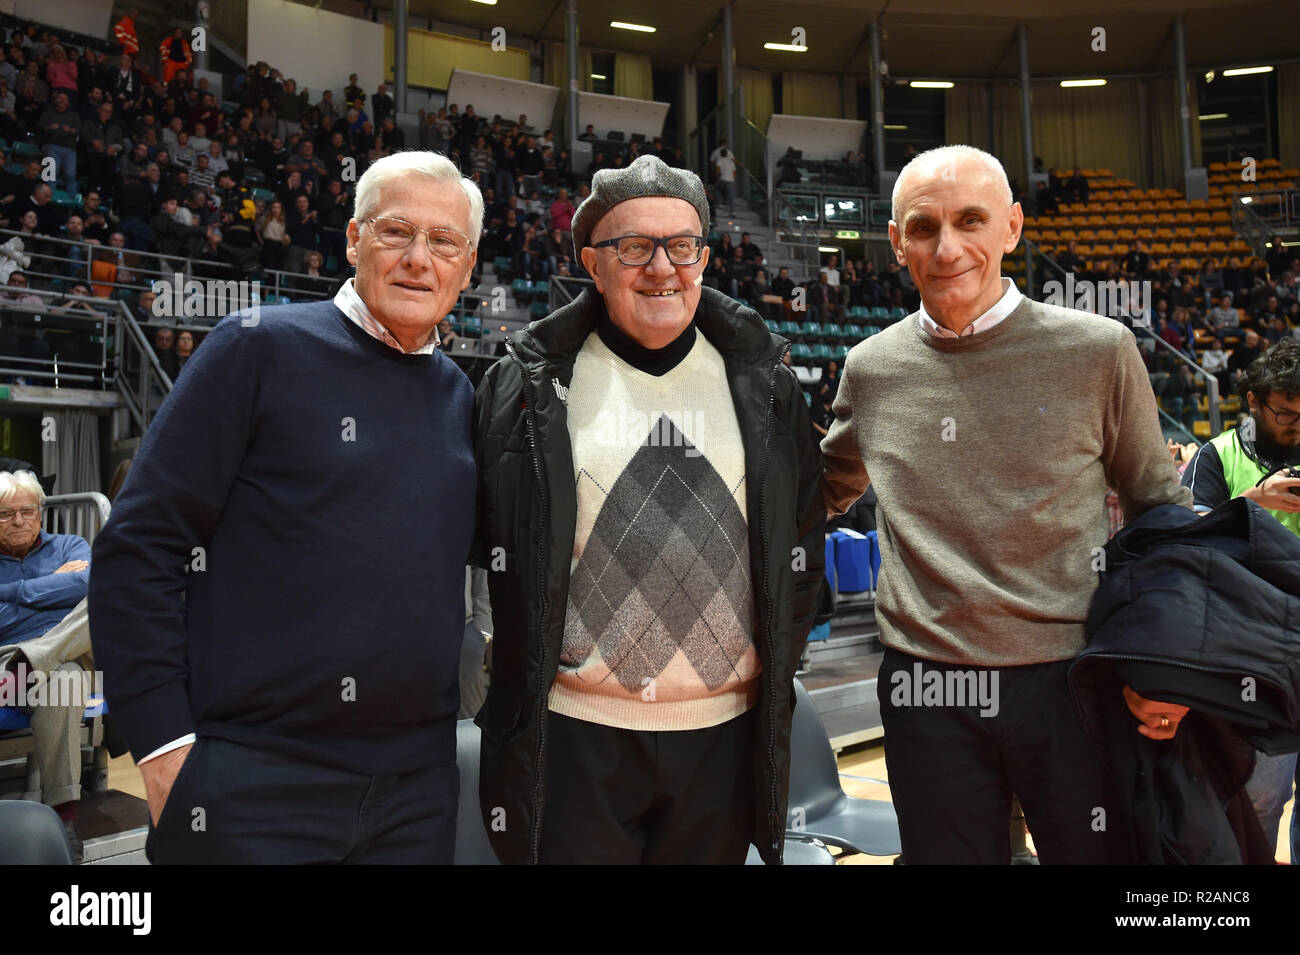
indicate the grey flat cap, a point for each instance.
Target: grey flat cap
{"x":648,"y":176}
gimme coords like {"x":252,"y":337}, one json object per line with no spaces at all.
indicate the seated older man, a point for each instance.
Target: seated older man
{"x":43,"y":636}
{"x":278,"y":603}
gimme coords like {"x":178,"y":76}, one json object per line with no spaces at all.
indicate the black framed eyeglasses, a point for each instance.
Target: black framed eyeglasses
{"x":1284,"y":418}
{"x":638,"y":250}
{"x":394,"y":233}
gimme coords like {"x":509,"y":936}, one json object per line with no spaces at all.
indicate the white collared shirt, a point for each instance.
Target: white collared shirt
{"x":350,"y":304}
{"x":1001,"y":309}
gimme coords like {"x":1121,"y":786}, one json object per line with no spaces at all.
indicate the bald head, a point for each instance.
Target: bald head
{"x":950,"y":163}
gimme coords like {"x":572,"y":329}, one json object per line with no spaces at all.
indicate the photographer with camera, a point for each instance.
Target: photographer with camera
{"x":1260,"y":460}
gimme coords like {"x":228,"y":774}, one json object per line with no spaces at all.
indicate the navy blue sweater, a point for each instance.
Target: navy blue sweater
{"x":329,"y":482}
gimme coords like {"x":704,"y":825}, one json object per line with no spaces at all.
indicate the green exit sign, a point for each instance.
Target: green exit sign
{"x":847,"y":234}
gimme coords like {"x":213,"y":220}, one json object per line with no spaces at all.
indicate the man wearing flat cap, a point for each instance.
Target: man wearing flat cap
{"x":650,"y":521}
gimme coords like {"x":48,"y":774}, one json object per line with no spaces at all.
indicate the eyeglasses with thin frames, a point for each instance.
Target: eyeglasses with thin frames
{"x":27,"y":513}
{"x":394,"y":233}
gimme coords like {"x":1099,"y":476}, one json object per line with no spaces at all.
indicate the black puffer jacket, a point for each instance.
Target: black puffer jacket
{"x":527,"y":511}
{"x":1203,"y":612}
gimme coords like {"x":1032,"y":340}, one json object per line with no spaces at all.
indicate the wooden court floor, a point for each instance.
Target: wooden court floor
{"x":862,"y":774}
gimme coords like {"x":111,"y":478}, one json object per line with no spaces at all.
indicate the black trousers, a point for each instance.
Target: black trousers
{"x":952,"y":772}
{"x":234,"y":804}
{"x":616,"y":796}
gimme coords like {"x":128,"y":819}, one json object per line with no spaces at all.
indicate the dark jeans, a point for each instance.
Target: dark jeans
{"x":952,"y":772}
{"x":628,"y":797}
{"x":234,"y":804}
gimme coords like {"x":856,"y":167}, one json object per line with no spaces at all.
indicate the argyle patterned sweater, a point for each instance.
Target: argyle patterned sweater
{"x":659,"y":627}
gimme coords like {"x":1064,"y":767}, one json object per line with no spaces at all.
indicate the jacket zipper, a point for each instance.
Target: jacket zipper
{"x":535,"y":836}
{"x":775,"y":823}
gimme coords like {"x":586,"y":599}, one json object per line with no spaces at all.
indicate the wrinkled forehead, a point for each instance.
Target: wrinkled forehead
{"x":946,"y":182}
{"x":648,"y":215}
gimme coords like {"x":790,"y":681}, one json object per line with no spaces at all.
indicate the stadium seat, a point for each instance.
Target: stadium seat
{"x":823,"y":353}
{"x":790,"y":330}
{"x":832,"y":332}
{"x":852,"y":561}
{"x":33,"y":834}
{"x":818,"y":806}
{"x":800,"y":352}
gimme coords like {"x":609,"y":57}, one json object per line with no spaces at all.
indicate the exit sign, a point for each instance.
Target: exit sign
{"x":847,"y":234}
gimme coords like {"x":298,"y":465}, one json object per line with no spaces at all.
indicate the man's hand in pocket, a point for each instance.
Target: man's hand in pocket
{"x":159,"y":773}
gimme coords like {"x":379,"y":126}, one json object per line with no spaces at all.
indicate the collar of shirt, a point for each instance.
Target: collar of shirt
{"x":350,"y":304}
{"x":1001,"y":309}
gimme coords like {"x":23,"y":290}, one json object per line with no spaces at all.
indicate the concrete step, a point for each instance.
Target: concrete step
{"x":842,"y":648}
{"x":844,"y":695}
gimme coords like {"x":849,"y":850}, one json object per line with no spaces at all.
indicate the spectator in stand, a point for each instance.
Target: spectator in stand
{"x":313,"y":281}
{"x":93,"y":218}
{"x":304,"y":233}
{"x":1045,"y":200}
{"x":31,"y":93}
{"x":381,"y":104}
{"x":783,"y":285}
{"x":1278,"y":257}
{"x":529,"y":161}
{"x":173,"y":237}
{"x":562,"y":209}
{"x":1276,"y":330}
{"x":217,"y":163}
{"x":589,"y":135}
{"x":61,"y":127}
{"x":1224,"y":319}
{"x":265,"y":120}
{"x":308,"y":165}
{"x":202,"y":176}
{"x":175,"y":54}
{"x":510,"y":237}
{"x":1166,"y":329}
{"x":1137,"y":261}
{"x":1076,"y":188}
{"x":1069,"y":259}
{"x":102,"y":138}
{"x":125,"y":88}
{"x":352,"y":92}
{"x":1270,"y":310}
{"x":739,"y":272}
{"x":1241,"y":358}
{"x":164,"y":339}
{"x":725,"y":177}
{"x":1215,"y":360}
{"x":274,"y":230}
{"x":447,"y":336}
{"x":184,"y":350}
{"x":61,"y":73}
{"x":124,"y":33}
{"x":556,"y":250}
{"x":750,"y":251}
{"x":754,"y":290}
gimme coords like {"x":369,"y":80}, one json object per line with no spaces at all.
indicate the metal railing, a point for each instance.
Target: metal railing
{"x":83,"y":513}
{"x":1211,"y":382}
{"x":54,"y":340}
{"x":563,"y":289}
{"x":800,"y":235}
{"x":1275,"y":210}
{"x":48,"y":342}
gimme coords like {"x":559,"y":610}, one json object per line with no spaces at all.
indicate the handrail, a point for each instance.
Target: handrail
{"x":1249,"y":224}
{"x":146,"y":370}
{"x":1211,"y":382}
{"x":563,"y":289}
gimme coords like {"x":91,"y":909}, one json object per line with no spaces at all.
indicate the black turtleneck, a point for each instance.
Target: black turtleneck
{"x":653,"y":361}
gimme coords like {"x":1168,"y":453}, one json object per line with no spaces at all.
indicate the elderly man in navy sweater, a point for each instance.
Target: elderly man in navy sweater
{"x":278,"y":600}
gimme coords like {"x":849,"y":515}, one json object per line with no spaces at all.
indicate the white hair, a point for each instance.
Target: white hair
{"x":948,"y":156}
{"x":18,"y":482}
{"x":433,"y":166}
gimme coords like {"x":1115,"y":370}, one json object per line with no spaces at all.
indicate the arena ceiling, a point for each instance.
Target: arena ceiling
{"x":922,"y":38}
